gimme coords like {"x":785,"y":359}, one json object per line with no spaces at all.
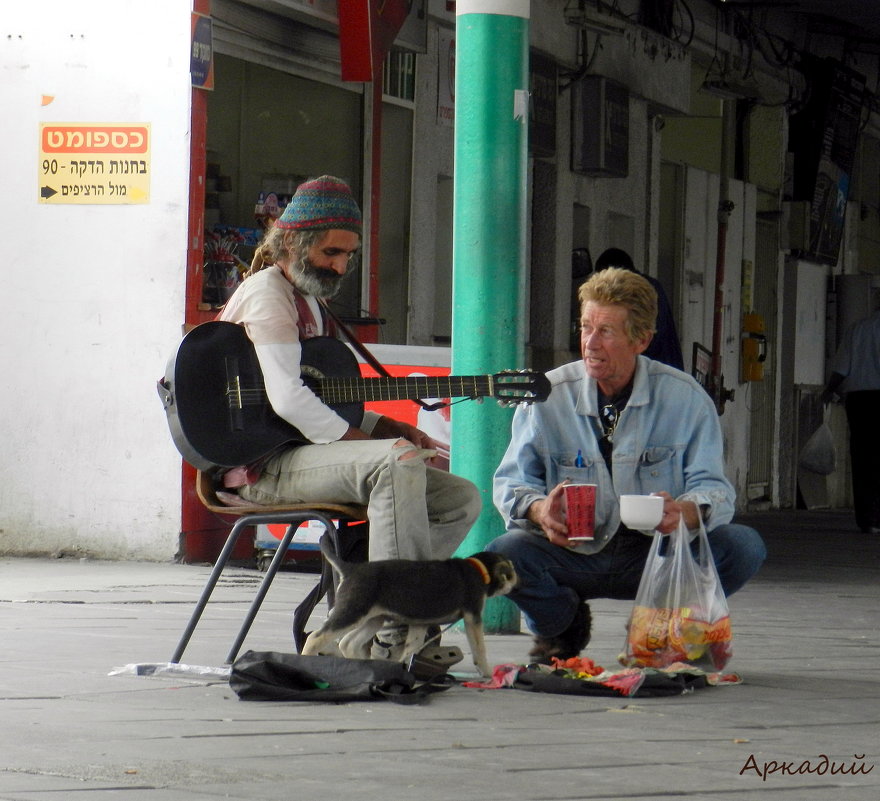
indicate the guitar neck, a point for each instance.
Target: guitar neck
{"x":349,"y":390}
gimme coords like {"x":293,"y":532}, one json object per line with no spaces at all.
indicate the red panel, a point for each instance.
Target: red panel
{"x":405,"y":410}
{"x":367,"y":29}
{"x":202,"y":533}
{"x":355,"y":42}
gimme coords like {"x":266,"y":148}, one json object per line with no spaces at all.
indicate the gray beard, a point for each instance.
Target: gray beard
{"x":316,"y":281}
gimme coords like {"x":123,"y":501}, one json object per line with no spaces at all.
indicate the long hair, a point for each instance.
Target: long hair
{"x":280,"y":243}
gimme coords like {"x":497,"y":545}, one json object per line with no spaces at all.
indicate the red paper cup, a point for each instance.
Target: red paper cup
{"x":580,"y":514}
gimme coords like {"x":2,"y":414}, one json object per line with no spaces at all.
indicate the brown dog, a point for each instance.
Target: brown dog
{"x":417,"y":594}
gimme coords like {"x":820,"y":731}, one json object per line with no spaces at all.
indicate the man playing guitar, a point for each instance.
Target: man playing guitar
{"x":415,"y":511}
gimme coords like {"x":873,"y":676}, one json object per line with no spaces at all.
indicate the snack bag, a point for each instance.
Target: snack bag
{"x":680,"y":612}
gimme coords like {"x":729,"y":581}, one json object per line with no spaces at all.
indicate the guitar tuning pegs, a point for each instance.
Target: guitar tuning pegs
{"x":504,"y":404}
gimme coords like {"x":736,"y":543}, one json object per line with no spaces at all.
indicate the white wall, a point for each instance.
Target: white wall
{"x":700,"y":264}
{"x":809,"y":345}
{"x":92,"y":294}
{"x":433,"y":146}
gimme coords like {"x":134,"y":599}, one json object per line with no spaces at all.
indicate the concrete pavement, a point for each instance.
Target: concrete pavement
{"x":805,"y":644}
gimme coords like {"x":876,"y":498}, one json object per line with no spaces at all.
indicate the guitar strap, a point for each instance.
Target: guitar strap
{"x":306,"y":322}
{"x":368,"y":357}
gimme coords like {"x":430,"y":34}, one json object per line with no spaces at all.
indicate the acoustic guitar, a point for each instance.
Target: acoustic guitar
{"x":219,"y":415}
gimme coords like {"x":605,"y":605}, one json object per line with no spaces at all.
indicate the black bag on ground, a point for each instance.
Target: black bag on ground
{"x":275,"y":676}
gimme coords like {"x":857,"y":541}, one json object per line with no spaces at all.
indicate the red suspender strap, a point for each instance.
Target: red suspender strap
{"x":308,"y":326}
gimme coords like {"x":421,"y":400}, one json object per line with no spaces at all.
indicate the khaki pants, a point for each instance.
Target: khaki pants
{"x":415,"y":511}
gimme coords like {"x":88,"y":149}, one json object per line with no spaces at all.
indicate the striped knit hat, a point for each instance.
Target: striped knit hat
{"x":322,"y":204}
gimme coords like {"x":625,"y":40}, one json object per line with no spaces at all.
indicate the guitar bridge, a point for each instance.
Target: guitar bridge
{"x":234,"y":398}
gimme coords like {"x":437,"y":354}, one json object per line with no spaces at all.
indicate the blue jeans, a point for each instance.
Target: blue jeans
{"x":554,"y":580}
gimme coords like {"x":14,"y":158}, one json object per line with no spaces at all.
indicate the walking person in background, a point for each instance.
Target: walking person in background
{"x":855,"y":375}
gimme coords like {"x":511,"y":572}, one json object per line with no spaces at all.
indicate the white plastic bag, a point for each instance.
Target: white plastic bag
{"x":680,"y":612}
{"x":818,"y":455}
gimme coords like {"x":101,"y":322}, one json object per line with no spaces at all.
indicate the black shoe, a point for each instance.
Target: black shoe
{"x":570,"y":643}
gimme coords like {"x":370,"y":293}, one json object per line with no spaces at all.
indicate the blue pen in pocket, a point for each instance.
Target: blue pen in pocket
{"x":579,"y":460}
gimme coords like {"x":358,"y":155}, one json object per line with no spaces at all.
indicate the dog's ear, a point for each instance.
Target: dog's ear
{"x":504,"y":575}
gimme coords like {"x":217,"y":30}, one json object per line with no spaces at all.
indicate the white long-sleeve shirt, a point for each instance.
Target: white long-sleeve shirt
{"x":264,"y":304}
{"x":858,"y":357}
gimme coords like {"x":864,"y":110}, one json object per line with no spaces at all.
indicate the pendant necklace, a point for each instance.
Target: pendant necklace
{"x":610,"y":410}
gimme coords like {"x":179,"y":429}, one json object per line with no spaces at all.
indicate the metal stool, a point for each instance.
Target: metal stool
{"x":292,"y":515}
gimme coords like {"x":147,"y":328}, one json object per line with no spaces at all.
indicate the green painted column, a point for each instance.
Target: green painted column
{"x":489,"y":243}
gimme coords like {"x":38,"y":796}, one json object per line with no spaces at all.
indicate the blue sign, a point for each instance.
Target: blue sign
{"x":201,"y":63}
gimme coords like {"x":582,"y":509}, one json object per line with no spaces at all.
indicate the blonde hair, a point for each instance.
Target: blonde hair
{"x":615,"y":286}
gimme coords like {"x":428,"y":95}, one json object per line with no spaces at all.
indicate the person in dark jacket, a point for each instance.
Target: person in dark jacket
{"x":665,"y":346}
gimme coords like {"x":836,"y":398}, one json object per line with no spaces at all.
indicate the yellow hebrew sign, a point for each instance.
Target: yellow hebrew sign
{"x":94,"y":163}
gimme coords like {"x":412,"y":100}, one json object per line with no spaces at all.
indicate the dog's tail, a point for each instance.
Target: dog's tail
{"x":330,"y":555}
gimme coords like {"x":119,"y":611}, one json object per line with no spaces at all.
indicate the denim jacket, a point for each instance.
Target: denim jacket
{"x":668,"y":438}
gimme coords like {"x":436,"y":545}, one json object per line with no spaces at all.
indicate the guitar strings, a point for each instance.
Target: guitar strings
{"x":358,"y":389}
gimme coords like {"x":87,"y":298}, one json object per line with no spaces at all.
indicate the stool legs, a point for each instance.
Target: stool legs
{"x":222,"y":560}
{"x":261,"y":594}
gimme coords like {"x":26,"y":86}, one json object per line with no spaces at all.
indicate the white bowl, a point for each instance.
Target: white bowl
{"x":641,"y":512}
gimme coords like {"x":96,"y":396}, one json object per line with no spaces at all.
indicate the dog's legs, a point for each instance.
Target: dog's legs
{"x":473,"y":627}
{"x":415,"y":640}
{"x":356,"y":643}
{"x":340,"y":625}
{"x":320,"y":640}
